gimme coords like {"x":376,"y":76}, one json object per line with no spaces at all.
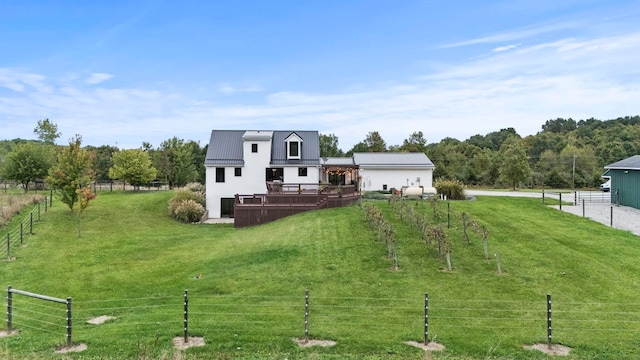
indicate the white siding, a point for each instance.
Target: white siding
{"x":374,"y":179}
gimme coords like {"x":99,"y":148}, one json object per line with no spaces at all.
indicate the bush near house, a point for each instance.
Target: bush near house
{"x":187,"y":205}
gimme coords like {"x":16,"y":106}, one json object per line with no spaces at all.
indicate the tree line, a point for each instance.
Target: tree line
{"x":175,"y":162}
{"x":565,"y":154}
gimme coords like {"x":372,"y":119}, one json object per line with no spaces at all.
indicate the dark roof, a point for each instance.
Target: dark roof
{"x":225,"y":148}
{"x":310,"y":149}
{"x":393,"y":160}
{"x":631,"y":163}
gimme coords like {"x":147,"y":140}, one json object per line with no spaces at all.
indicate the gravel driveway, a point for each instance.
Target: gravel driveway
{"x":624,"y":217}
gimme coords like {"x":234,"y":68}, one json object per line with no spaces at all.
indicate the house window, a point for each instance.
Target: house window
{"x":219,"y":175}
{"x":302,"y":171}
{"x":254,"y":148}
{"x":294,"y":149}
{"x":238,"y":171}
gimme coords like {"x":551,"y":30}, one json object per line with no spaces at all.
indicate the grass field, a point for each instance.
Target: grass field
{"x":246,"y":286}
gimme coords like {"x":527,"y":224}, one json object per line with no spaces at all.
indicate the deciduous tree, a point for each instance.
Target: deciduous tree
{"x":133,"y":166}
{"x":514,"y":167}
{"x":47,"y":131}
{"x":72,"y":171}
{"x":27,"y":162}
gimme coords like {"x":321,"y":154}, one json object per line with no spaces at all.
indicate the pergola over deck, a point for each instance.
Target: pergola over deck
{"x":339,"y":171}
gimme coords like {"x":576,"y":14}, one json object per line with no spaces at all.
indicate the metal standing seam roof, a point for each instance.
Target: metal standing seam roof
{"x":393,"y":160}
{"x":309,"y":149}
{"x":226,"y":147}
{"x":630,"y":163}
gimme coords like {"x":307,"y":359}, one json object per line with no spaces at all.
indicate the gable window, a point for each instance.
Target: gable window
{"x":219,"y":175}
{"x":254,"y":148}
{"x":293,"y":146}
{"x":238,"y":171}
{"x":294,"y":149}
{"x":302,"y":171}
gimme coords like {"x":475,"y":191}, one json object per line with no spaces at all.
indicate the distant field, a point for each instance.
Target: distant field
{"x":246,"y":287}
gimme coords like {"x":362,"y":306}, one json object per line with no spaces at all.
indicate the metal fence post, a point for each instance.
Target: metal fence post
{"x":582,"y":207}
{"x":186,"y":316}
{"x":426,"y":318}
{"x":549,"y":321}
{"x":69,"y":322}
{"x":611,"y":217}
{"x":560,"y":201}
{"x":575,"y":198}
{"x":306,"y":315}
{"x":9,"y":308}
{"x":51,"y":198}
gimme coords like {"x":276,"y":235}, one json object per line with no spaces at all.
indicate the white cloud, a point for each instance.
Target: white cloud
{"x":520,"y":88}
{"x":97,"y":78}
{"x":505,"y":48}
{"x":228,"y":89}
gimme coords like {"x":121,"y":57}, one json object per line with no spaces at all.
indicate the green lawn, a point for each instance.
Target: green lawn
{"x":246,"y":286}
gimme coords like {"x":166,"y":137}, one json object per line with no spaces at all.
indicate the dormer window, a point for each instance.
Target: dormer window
{"x":294,"y":146}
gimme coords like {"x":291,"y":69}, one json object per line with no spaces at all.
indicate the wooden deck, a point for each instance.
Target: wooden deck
{"x":289,"y":199}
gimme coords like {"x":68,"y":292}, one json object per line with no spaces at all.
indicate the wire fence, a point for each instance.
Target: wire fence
{"x":268,"y":319}
{"x":16,"y":237}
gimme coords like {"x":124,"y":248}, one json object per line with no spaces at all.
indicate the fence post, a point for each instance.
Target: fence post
{"x":611,"y":217}
{"x":8,"y":247}
{"x":575,"y":198}
{"x":186,"y":316}
{"x":51,"y":198}
{"x":542,"y":194}
{"x":38,"y":212}
{"x":9,"y":308}
{"x":21,"y":242}
{"x":45,"y":206}
{"x":31,"y":223}
{"x":306,"y":316}
{"x":426,"y":318}
{"x":69,"y":322}
{"x":549,"y":321}
{"x":582,"y":207}
{"x":560,"y":201}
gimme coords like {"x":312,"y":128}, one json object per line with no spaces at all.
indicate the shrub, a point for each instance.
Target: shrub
{"x":374,"y":195}
{"x":453,"y":189}
{"x":189,"y":211}
{"x":195,"y":187}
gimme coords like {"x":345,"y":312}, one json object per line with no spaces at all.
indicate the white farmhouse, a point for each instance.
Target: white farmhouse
{"x":242,"y":162}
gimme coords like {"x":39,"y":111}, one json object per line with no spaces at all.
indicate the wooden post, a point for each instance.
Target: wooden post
{"x":306,"y":316}
{"x":426,"y":318}
{"x":69,"y":322}
{"x":498,"y":262}
{"x":50,"y":198}
{"x":9,"y":309}
{"x":21,"y":235}
{"x":38,"y":212}
{"x":186,"y":316}
{"x":31,"y":223}
{"x":45,"y":206}
{"x":543,"y":194}
{"x":8,"y":247}
{"x":549,"y":321}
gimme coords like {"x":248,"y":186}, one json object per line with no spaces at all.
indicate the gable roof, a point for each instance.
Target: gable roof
{"x":392,"y":160}
{"x":630,"y":163}
{"x":226,"y":147}
{"x":309,"y":149}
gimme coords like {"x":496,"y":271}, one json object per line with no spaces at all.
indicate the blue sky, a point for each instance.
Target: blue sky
{"x":123,"y":72}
